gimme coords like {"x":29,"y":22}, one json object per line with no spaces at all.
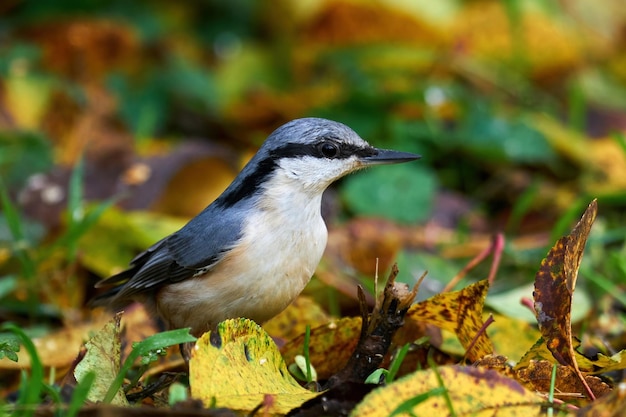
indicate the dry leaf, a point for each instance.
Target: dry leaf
{"x":505,"y":329}
{"x":292,"y":321}
{"x":103,"y":359}
{"x":537,"y":376}
{"x":349,"y":22}
{"x":460,"y":312}
{"x":472,"y":391}
{"x":611,"y":405}
{"x":339,"y":337}
{"x":554,"y":286}
{"x":56,"y":350}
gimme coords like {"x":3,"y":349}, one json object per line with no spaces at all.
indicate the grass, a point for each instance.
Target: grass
{"x":33,"y":388}
{"x":452,"y":138}
{"x":147,"y":349}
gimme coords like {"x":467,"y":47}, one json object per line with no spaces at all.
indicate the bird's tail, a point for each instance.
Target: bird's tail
{"x":114,"y":285}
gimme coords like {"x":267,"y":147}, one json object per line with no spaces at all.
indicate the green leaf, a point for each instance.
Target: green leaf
{"x":23,"y":154}
{"x":30,"y":386}
{"x":403,"y":193}
{"x":9,"y":346}
{"x":499,"y":139}
{"x":8,"y":284}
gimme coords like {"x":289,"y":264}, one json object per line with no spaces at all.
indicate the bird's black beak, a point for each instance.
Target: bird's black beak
{"x":385,"y":156}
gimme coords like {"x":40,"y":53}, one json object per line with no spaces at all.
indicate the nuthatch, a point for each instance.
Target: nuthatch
{"x":253,"y":250}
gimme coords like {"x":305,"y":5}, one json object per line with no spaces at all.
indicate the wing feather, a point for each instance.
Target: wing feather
{"x":197,"y":247}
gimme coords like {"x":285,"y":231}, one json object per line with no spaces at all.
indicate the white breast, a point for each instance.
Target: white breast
{"x":283,"y":241}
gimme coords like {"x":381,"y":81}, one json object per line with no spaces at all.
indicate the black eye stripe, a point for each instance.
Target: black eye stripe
{"x":344,"y":150}
{"x":251,"y":181}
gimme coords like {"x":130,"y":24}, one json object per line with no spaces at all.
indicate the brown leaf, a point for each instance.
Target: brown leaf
{"x":186,"y":196}
{"x":347,"y":22}
{"x":85,"y":49}
{"x":460,"y":312}
{"x":611,"y":405}
{"x":370,"y":239}
{"x":537,"y":376}
{"x":292,"y":322}
{"x":339,"y":337}
{"x":554,"y":287}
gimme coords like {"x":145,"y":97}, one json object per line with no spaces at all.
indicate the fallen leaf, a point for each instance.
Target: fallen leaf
{"x":471,"y":391}
{"x":186,"y":195}
{"x":505,"y":329}
{"x":132,"y":232}
{"x":538,"y":374}
{"x":554,"y":286}
{"x":508,"y":303}
{"x":57,"y":349}
{"x":292,"y":321}
{"x":349,"y":22}
{"x":339,"y":336}
{"x":238,"y":366}
{"x":611,"y":405}
{"x":601,"y":364}
{"x":460,"y":312}
{"x":103,"y":359}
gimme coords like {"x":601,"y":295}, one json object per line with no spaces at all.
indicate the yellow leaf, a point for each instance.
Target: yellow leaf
{"x":472,"y":391}
{"x":460,"y":312}
{"x":128,"y":233}
{"x":238,"y":366}
{"x":292,"y":321}
{"x":339,"y":337}
{"x":185,"y":196}
{"x":26,"y":97}
{"x":504,"y":329}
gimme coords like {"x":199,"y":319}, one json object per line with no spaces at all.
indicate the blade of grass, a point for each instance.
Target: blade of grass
{"x":407,"y":406}
{"x":14,"y":221}
{"x":19,"y":247}
{"x":522,"y":206}
{"x":157,"y":341}
{"x":29,"y":394}
{"x":397,"y":362}
{"x":79,"y":396}
{"x":74,"y":231}
{"x":442,"y":385}
{"x":551,"y":393}
{"x":606,"y":285}
{"x":75,"y":206}
{"x":79,"y":220}
{"x":8,"y":284}
{"x":577,"y":107}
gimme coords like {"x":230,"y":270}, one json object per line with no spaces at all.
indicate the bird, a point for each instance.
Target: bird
{"x":253,"y":249}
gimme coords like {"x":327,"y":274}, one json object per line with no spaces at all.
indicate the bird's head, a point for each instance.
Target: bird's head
{"x":310,"y":153}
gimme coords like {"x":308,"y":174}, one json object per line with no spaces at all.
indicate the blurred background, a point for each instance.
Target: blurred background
{"x":121,"y":120}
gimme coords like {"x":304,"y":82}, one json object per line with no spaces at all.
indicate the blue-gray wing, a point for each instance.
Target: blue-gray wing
{"x":198,"y":246}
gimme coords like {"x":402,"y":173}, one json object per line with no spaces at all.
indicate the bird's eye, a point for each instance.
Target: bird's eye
{"x":329,"y":149}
